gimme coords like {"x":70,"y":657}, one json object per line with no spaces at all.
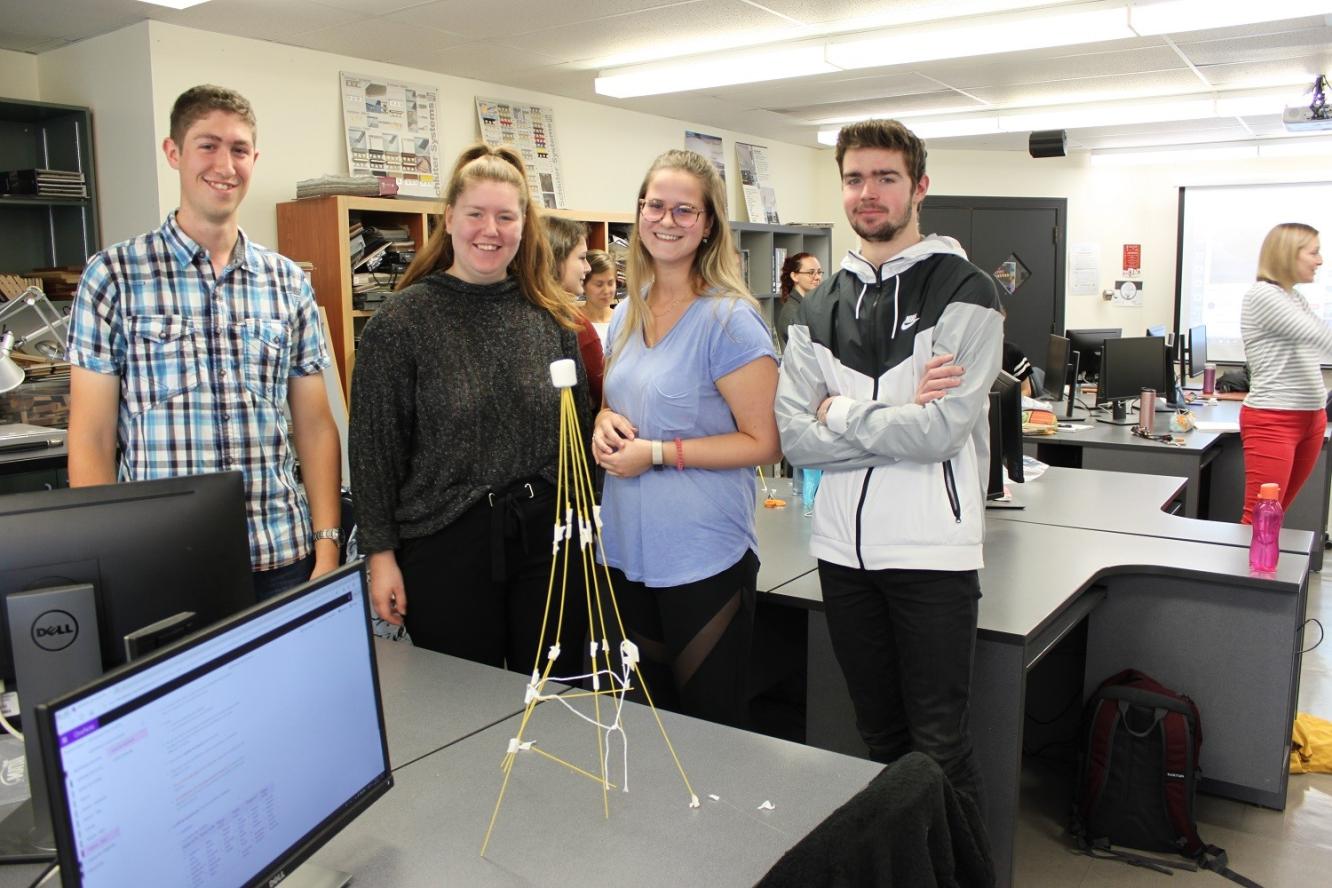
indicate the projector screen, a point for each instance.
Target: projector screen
{"x":1221,"y":230}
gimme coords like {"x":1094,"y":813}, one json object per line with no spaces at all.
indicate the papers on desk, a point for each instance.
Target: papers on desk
{"x":1074,"y":427}
{"x":1204,"y":426}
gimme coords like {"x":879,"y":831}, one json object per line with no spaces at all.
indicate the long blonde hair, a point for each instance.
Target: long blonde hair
{"x":532,"y":265}
{"x":715,"y":272}
{"x":1276,"y":259}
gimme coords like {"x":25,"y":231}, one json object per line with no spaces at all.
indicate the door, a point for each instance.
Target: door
{"x":1021,"y":242}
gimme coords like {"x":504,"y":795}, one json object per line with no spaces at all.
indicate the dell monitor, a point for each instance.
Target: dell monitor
{"x":124,"y":556}
{"x":1127,"y":367}
{"x":1197,"y":350}
{"x":1056,"y":367}
{"x":1005,"y":433}
{"x":227,"y":758}
{"x":1088,"y":344}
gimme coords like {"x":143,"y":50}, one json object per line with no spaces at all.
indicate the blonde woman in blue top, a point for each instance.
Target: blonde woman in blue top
{"x":687,"y":414}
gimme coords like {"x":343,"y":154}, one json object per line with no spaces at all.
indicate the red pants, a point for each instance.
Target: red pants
{"x":1280,"y":447}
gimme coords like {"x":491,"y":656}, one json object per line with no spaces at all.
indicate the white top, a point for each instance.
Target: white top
{"x":1284,"y":343}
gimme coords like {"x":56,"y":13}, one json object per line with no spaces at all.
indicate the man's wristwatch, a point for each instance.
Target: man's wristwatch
{"x":330,"y":533}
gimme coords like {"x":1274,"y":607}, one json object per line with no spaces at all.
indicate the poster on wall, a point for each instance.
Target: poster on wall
{"x":531,"y":130}
{"x":711,"y":148}
{"x":392,"y":130}
{"x":1132,"y":260}
{"x":756,"y":183}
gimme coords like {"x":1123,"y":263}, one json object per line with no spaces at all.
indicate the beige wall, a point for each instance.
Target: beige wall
{"x":18,"y":76}
{"x":111,"y":75}
{"x":604,"y":151}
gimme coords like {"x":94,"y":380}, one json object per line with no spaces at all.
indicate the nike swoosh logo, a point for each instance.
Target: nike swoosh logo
{"x":910,"y":322}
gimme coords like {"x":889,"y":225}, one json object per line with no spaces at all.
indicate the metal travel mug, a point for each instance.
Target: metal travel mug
{"x":1209,"y":380}
{"x":1146,"y":409}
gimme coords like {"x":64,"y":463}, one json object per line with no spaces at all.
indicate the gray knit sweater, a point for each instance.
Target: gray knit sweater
{"x":451,"y":399}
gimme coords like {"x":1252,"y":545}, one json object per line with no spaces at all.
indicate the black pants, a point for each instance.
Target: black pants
{"x":905,"y":640}
{"x":477,"y":588}
{"x":694,"y":640}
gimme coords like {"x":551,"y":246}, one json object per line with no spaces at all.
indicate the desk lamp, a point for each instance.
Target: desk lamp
{"x":11,"y":374}
{"x":38,"y":328}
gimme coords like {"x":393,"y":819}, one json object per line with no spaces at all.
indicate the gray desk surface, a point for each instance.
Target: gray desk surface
{"x":783,"y":536}
{"x":1105,"y":435}
{"x":1033,"y":572}
{"x":1123,"y":502}
{"x":427,"y":831}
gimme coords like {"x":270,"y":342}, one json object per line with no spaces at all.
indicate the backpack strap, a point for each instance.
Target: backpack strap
{"x":1100,"y":849}
{"x":1214,"y":859}
{"x":1177,"y":758}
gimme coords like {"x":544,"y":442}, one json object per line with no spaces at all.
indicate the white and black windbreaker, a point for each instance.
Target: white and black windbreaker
{"x":903,"y":485}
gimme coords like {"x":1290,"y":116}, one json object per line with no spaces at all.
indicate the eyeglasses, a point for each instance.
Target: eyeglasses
{"x":655,"y":210}
{"x":813,"y":272}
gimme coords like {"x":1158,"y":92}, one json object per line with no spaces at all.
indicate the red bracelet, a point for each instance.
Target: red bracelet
{"x":679,"y":455}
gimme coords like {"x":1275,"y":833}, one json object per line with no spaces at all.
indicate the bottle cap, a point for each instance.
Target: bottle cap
{"x":1269,"y":491}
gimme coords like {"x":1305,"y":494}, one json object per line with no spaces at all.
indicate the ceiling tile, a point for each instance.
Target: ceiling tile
{"x":504,"y":18}
{"x":824,"y":89}
{"x":274,"y":20}
{"x":380,"y":40}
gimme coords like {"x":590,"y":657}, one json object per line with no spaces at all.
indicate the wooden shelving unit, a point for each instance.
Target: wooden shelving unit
{"x":315,"y":230}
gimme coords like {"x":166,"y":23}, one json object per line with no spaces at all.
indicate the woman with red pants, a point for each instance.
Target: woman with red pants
{"x":1283,"y":418}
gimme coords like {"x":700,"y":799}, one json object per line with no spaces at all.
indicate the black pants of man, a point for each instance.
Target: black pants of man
{"x":477,"y":588}
{"x":905,"y":640}
{"x":694,"y":640}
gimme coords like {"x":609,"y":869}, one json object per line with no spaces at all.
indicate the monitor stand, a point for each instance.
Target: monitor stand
{"x":1119,"y":415}
{"x":312,"y":875}
{"x":53,"y":636}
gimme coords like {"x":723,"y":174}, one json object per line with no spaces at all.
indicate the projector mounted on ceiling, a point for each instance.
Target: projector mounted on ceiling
{"x":1313,"y":117}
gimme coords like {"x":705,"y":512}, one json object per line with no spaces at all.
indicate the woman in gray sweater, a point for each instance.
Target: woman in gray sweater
{"x":454,"y":431}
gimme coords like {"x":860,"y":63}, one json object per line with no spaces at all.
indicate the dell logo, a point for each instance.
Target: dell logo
{"x":55,"y":630}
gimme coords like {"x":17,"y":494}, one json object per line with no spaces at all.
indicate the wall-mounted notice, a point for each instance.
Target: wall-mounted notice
{"x":756,"y":183}
{"x":711,"y":148}
{"x":531,"y":130}
{"x":1084,"y":270}
{"x":1132,"y":260}
{"x":392,"y":130}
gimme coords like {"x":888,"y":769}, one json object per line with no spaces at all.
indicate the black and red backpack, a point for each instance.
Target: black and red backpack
{"x":1138,"y":774}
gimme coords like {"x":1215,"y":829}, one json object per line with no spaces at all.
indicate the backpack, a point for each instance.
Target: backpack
{"x":1138,"y":774}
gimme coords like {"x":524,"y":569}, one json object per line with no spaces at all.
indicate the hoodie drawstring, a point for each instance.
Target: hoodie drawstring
{"x":863,"y":288}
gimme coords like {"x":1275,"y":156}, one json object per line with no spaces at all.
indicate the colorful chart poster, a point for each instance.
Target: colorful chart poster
{"x":392,"y":130}
{"x":530,"y":129}
{"x":711,"y":148}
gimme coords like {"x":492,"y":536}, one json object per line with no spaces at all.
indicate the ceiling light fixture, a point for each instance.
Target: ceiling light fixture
{"x":175,"y":4}
{"x":950,"y":38}
{"x":1185,"y":154}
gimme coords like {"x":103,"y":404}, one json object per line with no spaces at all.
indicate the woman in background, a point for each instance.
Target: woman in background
{"x":454,"y":430}
{"x":800,"y":274}
{"x":568,"y":246}
{"x":1283,"y":417}
{"x":599,"y":291}
{"x":687,"y":415}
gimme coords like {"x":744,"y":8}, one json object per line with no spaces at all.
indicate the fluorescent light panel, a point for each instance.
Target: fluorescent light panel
{"x":1174,"y":156}
{"x":1181,"y":16}
{"x":723,"y":70}
{"x":175,"y":4}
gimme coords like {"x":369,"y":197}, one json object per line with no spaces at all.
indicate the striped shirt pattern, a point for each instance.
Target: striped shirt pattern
{"x":203,"y":361}
{"x":1284,"y":343}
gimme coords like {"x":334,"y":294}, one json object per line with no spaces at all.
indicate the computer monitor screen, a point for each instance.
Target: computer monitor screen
{"x":1157,"y":330}
{"x":1130,"y":365}
{"x":150,"y":549}
{"x":1088,"y":343}
{"x":1197,"y":349}
{"x":1056,"y":367}
{"x":227,"y":758}
{"x":1005,"y":433}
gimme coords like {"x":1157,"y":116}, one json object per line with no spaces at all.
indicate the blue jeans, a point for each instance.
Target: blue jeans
{"x":268,"y":583}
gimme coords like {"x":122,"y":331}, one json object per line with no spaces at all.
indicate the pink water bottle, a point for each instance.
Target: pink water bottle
{"x":1267,"y":515}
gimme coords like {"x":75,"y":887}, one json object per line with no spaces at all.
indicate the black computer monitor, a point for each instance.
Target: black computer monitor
{"x":1005,"y":433}
{"x":1057,"y":353}
{"x":151,"y":549}
{"x":148,"y":550}
{"x":1127,"y":367}
{"x":1088,"y":343}
{"x":227,"y":758}
{"x":1197,"y":349}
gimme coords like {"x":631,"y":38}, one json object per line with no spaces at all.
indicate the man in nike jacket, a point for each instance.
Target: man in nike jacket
{"x":900,"y":513}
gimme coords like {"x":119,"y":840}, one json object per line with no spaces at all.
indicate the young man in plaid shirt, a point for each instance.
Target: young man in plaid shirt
{"x":187,"y":342}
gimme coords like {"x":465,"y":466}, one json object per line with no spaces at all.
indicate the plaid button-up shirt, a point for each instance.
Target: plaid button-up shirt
{"x":203,"y":361}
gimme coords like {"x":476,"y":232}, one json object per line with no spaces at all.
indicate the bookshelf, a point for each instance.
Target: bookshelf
{"x":762,"y":241}
{"x":315,"y":230}
{"x":43,"y":232}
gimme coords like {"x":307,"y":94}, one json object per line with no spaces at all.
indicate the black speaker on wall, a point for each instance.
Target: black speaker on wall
{"x":1048,"y":143}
